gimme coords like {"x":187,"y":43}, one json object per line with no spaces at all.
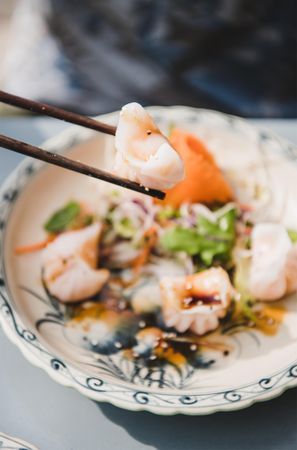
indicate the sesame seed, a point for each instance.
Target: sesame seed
{"x":152,"y":357}
{"x":146,"y":189}
{"x":142,"y":324}
{"x":164,"y":345}
{"x":118,"y":345}
{"x":193,"y":347}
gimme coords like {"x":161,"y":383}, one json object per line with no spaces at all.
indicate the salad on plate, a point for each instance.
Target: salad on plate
{"x":162,"y":283}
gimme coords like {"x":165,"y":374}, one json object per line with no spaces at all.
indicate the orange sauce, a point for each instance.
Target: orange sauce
{"x":269,"y":319}
{"x":173,"y":357}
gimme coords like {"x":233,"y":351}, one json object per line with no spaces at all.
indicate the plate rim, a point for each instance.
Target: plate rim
{"x":56,"y":369}
{"x":20,"y":443}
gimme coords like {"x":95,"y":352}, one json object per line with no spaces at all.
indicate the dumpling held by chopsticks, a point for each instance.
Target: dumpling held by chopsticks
{"x":143,"y":154}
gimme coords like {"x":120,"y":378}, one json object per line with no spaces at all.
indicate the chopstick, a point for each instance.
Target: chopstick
{"x":75,"y":166}
{"x":57,"y":113}
{"x":62,"y":161}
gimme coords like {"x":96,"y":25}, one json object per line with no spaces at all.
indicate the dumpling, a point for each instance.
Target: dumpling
{"x":69,"y":265}
{"x":143,"y":154}
{"x":273,"y":271}
{"x":196,"y":302}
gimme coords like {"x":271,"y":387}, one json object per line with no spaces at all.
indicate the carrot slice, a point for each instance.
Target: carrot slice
{"x":204,"y":182}
{"x":34,"y":247}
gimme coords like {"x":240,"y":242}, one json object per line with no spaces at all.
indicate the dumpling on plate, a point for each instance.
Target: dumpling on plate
{"x":196,"y":302}
{"x":143,"y":153}
{"x":273,"y":271}
{"x":69,"y":265}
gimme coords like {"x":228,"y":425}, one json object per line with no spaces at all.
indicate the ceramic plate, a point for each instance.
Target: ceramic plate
{"x":259,"y":367}
{"x":10,"y":443}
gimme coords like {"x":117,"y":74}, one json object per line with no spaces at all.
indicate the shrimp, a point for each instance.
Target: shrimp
{"x":196,"y":302}
{"x":69,"y":265}
{"x":143,"y":154}
{"x":273,"y":271}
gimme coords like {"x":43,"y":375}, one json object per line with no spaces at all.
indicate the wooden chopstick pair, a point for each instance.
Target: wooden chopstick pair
{"x":59,"y":160}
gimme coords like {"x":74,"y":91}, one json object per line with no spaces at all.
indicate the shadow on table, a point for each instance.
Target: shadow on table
{"x":264,"y":426}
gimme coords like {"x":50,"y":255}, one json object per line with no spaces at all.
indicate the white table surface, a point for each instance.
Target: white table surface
{"x":35,"y":408}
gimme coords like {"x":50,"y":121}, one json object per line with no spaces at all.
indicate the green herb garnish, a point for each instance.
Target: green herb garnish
{"x":124,"y":228}
{"x":241,"y":284}
{"x":63,"y":218}
{"x":168,"y":213}
{"x":210,"y":240}
{"x":223,"y":228}
{"x":179,"y":239}
{"x":292,"y":235}
{"x":217,"y":239}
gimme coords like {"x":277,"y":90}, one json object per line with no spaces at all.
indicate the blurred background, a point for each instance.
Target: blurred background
{"x":92,"y":56}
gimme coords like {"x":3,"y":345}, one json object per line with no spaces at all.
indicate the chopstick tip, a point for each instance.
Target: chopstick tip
{"x":160,"y":195}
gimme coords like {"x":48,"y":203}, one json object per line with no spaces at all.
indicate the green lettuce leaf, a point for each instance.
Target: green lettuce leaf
{"x":217,"y":238}
{"x":211,"y":250}
{"x":179,"y":239}
{"x":223,"y":228}
{"x":292,"y":235}
{"x":211,"y":241}
{"x":63,"y":218}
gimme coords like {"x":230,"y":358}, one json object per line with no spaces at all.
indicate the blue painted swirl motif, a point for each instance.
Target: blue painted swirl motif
{"x":141,"y":397}
{"x":188,"y":400}
{"x":232,"y":396}
{"x":293,"y":372}
{"x":94,"y":383}
{"x":266,"y":383}
{"x":57,"y":364}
